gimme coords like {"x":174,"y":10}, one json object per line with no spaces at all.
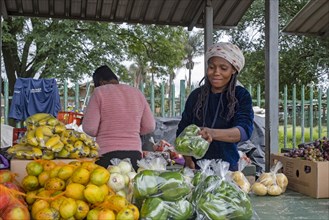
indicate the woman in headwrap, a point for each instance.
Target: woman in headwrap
{"x":221,"y":108}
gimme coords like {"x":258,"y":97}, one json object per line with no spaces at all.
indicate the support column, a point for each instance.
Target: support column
{"x":271,"y":79}
{"x":208,"y":28}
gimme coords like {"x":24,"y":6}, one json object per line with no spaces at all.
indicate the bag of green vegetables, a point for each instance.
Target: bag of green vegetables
{"x":216,"y":198}
{"x":190,"y":143}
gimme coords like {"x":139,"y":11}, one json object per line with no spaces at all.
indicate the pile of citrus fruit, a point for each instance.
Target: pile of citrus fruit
{"x":74,"y":190}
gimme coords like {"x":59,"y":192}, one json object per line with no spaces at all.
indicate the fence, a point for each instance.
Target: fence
{"x":294,"y":113}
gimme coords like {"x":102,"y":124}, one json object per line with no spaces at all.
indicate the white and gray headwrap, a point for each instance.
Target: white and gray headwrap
{"x":229,"y":52}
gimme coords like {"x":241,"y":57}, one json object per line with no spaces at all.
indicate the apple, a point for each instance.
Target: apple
{"x":5,"y":176}
{"x":16,"y":211}
{"x":4,"y":200}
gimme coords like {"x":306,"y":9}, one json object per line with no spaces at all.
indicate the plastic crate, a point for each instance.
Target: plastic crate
{"x":18,"y":133}
{"x":69,"y":117}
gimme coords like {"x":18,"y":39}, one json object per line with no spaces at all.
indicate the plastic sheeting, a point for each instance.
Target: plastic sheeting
{"x":254,"y":148}
{"x":165,"y":130}
{"x":6,"y":135}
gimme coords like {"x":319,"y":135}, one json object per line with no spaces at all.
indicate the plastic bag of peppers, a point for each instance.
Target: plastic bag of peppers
{"x":216,"y":198}
{"x":162,"y":194}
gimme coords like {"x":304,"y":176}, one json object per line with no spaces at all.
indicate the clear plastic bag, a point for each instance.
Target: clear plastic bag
{"x":167,"y":185}
{"x":162,"y":194}
{"x":40,"y":119}
{"x":238,"y":177}
{"x":168,"y":151}
{"x":150,"y":155}
{"x":190,"y":143}
{"x":270,"y":183}
{"x":121,"y":177}
{"x":215,"y":197}
{"x":156,"y":208}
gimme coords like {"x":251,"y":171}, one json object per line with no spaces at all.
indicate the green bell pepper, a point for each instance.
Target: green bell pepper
{"x":155,"y":209}
{"x":145,"y":184}
{"x":180,"y":210}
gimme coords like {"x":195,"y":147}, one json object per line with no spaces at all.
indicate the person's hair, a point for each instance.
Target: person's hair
{"x":103,"y":73}
{"x":200,"y":105}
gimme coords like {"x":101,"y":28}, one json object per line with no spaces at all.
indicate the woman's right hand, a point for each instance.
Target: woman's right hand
{"x":189,"y":162}
{"x":206,"y":133}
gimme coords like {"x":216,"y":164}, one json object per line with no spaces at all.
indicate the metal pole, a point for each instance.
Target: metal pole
{"x":162,"y":100}
{"x":152,"y":98}
{"x":6,"y":100}
{"x":208,"y":30}
{"x":302,"y":123}
{"x":311,"y":113}
{"x":182,"y":96}
{"x":65,"y":96}
{"x":271,"y":79}
{"x":319,"y":112}
{"x":77,"y":97}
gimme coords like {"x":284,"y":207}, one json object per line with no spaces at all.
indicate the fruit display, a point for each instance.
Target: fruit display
{"x":75,"y":190}
{"x":314,"y":151}
{"x":190,"y":143}
{"x":122,"y":174}
{"x":48,"y":138}
{"x":12,"y":203}
{"x":271,"y":183}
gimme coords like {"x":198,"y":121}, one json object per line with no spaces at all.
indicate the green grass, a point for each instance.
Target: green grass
{"x":299,"y":135}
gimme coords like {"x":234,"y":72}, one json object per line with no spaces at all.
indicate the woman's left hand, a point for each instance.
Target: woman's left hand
{"x":206,"y":134}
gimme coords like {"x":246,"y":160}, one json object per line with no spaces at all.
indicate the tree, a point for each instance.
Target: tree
{"x":72,"y":50}
{"x":63,"y":49}
{"x":193,"y":48}
{"x":299,"y":56}
{"x":156,"y":50}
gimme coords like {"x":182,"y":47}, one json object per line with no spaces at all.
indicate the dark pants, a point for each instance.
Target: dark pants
{"x":105,"y":159}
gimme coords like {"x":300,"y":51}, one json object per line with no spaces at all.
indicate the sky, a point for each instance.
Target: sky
{"x":197,"y":74}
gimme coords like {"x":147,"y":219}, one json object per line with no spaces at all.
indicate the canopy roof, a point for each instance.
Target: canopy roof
{"x":187,"y":13}
{"x":312,"y":19}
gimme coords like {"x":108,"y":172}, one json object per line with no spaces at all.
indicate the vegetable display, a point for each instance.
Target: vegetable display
{"x":217,"y":198}
{"x":271,"y":183}
{"x":162,"y":195}
{"x":168,"y":185}
{"x":189,"y":143}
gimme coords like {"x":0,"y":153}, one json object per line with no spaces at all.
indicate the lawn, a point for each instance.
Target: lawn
{"x":299,"y":135}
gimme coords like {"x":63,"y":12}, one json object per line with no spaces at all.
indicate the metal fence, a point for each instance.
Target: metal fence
{"x":307,"y":115}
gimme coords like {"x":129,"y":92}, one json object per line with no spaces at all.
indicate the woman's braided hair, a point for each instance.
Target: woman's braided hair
{"x":200,"y":105}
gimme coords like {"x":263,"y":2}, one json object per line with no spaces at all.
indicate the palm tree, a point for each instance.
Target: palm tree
{"x":139,"y":69}
{"x":193,"y":48}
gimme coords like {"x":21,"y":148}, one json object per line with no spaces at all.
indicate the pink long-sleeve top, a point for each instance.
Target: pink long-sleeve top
{"x":117,"y":115}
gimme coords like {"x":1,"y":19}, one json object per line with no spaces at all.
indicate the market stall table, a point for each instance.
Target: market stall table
{"x":290,"y":205}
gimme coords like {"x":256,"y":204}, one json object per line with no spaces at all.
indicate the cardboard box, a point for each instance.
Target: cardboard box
{"x":18,"y":166}
{"x":304,"y":176}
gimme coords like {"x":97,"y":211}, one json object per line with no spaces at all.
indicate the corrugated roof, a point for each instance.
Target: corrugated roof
{"x":187,"y":13}
{"x":312,"y":19}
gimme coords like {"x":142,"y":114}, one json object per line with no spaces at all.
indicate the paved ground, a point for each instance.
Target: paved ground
{"x":290,"y":205}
